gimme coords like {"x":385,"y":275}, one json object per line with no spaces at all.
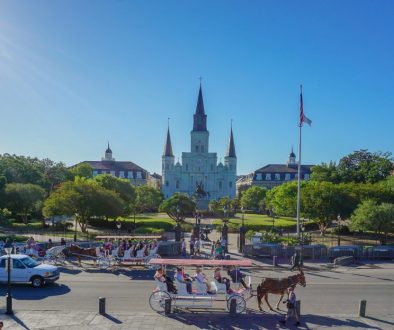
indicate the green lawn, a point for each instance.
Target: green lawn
{"x":258,"y":222}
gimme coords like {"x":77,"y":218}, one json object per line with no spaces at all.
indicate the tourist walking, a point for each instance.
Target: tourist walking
{"x":295,"y":261}
{"x":291,"y":303}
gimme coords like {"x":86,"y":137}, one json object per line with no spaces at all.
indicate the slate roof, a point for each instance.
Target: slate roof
{"x":283,"y":168}
{"x":116,"y":166}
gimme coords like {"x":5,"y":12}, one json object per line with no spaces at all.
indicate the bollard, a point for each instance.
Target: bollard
{"x":167,"y":306}
{"x":298,"y":308}
{"x":362,"y":308}
{"x":233,"y":307}
{"x":274,"y":262}
{"x":102,"y":305}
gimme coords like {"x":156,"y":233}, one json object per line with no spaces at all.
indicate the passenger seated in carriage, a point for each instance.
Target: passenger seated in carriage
{"x":181,"y":277}
{"x":201,"y":278}
{"x":222,"y":280}
{"x":161,"y":277}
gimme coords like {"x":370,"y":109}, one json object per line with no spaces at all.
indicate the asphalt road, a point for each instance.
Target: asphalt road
{"x":327,"y":292}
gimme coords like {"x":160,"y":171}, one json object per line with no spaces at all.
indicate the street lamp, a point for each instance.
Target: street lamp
{"x":177,"y":226}
{"x":272,"y":214}
{"x":8,"y":250}
{"x":302,"y":242}
{"x":196,"y":228}
{"x":339,"y":229}
{"x":242,"y":231}
{"x":225,"y":227}
{"x":75,"y":227}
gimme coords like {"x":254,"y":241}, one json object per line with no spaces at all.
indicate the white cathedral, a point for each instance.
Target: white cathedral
{"x":199,"y":175}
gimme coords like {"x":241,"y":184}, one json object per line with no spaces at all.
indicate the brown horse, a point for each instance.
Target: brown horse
{"x":80,"y":252}
{"x":278,"y":286}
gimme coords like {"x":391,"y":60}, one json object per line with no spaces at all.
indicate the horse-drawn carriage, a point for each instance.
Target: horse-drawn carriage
{"x":199,"y":298}
{"x":105,"y":257}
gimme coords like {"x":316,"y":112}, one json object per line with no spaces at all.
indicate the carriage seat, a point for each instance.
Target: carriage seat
{"x":161,"y":286}
{"x":220,"y":287}
{"x":141,"y":253}
{"x":181,"y":287}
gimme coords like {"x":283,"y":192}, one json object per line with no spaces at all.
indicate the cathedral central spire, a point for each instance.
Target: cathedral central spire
{"x":231,"y":146}
{"x":168,"y":146}
{"x":200,"y":118}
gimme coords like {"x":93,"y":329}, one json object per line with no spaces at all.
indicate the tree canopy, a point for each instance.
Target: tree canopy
{"x":83,"y":170}
{"x":253,"y":198}
{"x":42,"y":172}
{"x":22,"y":199}
{"x":85,"y":199}
{"x":178,"y":206}
{"x":371,"y":216}
{"x":148,"y":199}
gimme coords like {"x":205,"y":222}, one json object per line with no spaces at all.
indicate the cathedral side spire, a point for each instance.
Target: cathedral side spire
{"x":200,"y":118}
{"x":168,"y":146}
{"x":231,"y":146}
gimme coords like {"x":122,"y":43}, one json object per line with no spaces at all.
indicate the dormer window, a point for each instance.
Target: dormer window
{"x":287,"y":176}
{"x":268,"y":177}
{"x":277,"y":176}
{"x":259,"y":176}
{"x":306,"y":176}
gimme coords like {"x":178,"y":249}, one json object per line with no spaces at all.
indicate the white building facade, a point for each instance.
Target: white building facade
{"x":199,"y":170}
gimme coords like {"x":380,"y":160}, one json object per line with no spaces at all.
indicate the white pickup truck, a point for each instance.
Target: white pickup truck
{"x":25,"y":269}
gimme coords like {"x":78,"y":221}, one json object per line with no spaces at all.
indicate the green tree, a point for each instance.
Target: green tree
{"x":42,"y":172}
{"x":83,"y":170}
{"x":326,"y":172}
{"x":253,"y":197}
{"x":365,"y":167}
{"x":3,"y":182}
{"x":22,"y":199}
{"x":283,"y":199}
{"x":321,"y":202}
{"x":370,"y":216}
{"x":84,"y":199}
{"x":218,"y":206}
{"x":178,"y":206}
{"x":148,"y":199}
{"x":122,"y":187}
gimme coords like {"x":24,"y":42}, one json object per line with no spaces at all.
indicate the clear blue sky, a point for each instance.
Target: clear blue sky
{"x":74,"y":74}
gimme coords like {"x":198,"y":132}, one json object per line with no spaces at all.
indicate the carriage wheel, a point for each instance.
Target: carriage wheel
{"x":157,"y":300}
{"x":154,"y":256}
{"x":103,"y":263}
{"x":60,"y":258}
{"x":240,"y":303}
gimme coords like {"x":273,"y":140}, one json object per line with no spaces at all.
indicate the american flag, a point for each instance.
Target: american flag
{"x":303,"y":118}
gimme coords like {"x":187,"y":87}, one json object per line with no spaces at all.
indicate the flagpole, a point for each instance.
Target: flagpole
{"x":299,"y":177}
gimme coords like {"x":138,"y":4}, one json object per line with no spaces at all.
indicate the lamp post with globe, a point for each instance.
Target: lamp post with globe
{"x":178,"y":226}
{"x":225,"y":227}
{"x":242,"y":232}
{"x":8,"y":250}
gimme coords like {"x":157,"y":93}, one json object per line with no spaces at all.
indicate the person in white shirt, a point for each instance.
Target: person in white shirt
{"x":197,"y":247}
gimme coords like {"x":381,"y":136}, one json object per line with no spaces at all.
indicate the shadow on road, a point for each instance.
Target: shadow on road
{"x":379,"y":320}
{"x":20,"y":322}
{"x":259,"y":320}
{"x":24,"y":292}
{"x":112,"y":319}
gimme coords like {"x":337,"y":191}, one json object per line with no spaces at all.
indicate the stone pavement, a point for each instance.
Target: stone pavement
{"x":55,"y":320}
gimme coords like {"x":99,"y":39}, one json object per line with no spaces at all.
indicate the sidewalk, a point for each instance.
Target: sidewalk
{"x":200,"y":320}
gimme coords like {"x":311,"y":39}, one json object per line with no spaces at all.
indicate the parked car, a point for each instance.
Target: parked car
{"x":25,"y":269}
